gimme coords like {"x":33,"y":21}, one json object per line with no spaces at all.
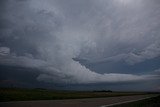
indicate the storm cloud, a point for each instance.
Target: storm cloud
{"x":49,"y":35}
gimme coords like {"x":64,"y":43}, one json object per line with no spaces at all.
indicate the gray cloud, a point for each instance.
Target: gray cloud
{"x":150,"y":52}
{"x":4,"y":51}
{"x":72,"y":72}
{"x":48,"y":35}
{"x":157,"y":72}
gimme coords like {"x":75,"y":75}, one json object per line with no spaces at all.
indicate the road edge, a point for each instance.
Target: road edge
{"x":124,"y":102}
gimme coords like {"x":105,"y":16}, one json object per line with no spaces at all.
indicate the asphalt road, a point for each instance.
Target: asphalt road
{"x":89,"y":102}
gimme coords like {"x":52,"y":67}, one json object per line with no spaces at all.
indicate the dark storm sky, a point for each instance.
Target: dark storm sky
{"x":82,"y":44}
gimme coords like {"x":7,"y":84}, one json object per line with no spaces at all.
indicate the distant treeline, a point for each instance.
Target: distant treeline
{"x":102,"y":91}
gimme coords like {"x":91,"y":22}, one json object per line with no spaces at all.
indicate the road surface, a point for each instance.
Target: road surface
{"x":89,"y":102}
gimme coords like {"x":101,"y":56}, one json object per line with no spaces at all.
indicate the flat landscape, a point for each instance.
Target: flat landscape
{"x":79,"y":53}
{"x":16,"y":97}
{"x":19,"y":94}
{"x":87,"y":102}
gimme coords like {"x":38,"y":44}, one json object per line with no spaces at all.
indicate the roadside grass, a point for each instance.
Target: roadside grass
{"x":151,"y":102}
{"x":18,"y":94}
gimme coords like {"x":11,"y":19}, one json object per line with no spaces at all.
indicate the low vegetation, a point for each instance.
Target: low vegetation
{"x":17,"y":94}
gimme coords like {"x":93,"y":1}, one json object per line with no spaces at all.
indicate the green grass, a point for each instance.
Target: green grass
{"x":151,"y":102}
{"x":17,"y":94}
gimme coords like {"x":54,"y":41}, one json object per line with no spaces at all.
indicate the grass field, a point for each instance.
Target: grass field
{"x":17,"y":94}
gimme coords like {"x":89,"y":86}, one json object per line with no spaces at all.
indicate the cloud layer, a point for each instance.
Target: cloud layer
{"x":48,"y":35}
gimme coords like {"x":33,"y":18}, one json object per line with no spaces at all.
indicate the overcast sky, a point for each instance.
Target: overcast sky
{"x":80,"y":44}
